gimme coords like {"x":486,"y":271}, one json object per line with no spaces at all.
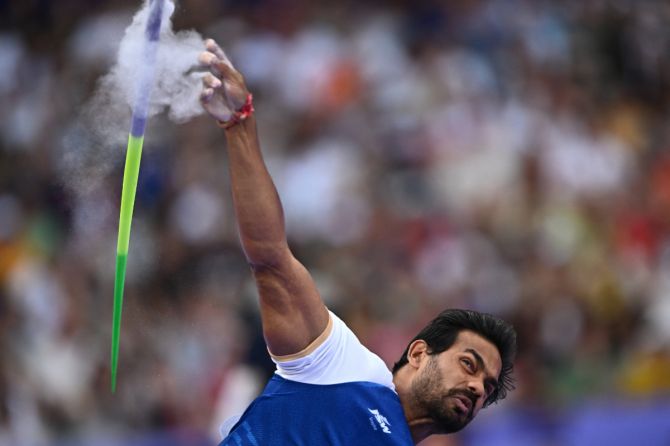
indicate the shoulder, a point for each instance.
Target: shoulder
{"x":336,"y":356}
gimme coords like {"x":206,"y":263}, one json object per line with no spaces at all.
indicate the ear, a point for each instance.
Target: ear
{"x":417,"y":353}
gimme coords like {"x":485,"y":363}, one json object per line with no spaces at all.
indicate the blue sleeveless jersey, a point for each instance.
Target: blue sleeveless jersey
{"x":290,"y":413}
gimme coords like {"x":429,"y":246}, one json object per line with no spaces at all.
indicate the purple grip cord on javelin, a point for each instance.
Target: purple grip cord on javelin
{"x":138,"y":125}
{"x":154,"y":22}
{"x":152,"y":33}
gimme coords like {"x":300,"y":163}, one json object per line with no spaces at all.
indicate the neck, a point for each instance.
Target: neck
{"x":420,"y":424}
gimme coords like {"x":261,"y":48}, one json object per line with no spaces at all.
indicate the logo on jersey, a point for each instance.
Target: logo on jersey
{"x":381,"y":420}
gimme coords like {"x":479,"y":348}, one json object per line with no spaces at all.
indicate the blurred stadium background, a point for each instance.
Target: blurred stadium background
{"x":509,"y":156}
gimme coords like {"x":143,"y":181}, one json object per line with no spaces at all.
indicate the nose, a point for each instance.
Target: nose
{"x":477,"y":388}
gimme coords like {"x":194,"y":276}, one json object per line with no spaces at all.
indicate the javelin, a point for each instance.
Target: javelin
{"x":132,"y":168}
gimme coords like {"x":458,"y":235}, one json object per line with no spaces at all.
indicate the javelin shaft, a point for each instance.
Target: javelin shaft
{"x":131,"y":172}
{"x":130,"y":176}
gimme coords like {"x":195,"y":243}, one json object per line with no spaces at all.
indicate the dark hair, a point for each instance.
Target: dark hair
{"x":441,"y":333}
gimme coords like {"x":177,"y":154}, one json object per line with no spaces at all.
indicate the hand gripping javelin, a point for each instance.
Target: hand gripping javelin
{"x":132,"y":167}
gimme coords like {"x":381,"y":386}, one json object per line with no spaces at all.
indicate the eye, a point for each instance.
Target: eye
{"x":468,"y":364}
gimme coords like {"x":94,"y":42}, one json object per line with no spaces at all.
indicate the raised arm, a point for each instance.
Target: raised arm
{"x":292,"y":311}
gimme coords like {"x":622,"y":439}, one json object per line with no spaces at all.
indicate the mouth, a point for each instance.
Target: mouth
{"x":463,"y":404}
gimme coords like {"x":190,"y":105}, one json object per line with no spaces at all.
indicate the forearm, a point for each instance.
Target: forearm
{"x":257,"y":205}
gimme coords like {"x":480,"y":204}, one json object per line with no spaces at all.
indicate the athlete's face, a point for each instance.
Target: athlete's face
{"x":451,"y":387}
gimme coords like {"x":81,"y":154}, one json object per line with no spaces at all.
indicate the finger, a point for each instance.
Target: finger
{"x":214,"y":47}
{"x":207,"y":61}
{"x":225,"y":69}
{"x":206,"y":58}
{"x":206,"y":95}
{"x":217,"y":66}
{"x":211,"y":81}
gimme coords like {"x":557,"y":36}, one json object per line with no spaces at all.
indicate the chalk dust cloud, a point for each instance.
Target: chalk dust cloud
{"x":92,"y":146}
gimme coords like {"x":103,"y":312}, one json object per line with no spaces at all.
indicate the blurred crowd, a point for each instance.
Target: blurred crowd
{"x":509,"y":156}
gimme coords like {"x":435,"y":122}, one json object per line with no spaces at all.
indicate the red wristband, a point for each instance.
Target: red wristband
{"x":240,"y":115}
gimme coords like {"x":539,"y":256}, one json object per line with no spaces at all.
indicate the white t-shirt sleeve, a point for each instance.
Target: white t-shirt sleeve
{"x":335,"y":357}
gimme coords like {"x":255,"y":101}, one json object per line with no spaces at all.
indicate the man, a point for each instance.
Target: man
{"x":329,"y":389}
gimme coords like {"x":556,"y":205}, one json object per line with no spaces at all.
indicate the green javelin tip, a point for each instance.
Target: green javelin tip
{"x":130,"y":175}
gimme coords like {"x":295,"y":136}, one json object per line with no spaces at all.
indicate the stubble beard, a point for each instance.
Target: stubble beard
{"x":430,"y":398}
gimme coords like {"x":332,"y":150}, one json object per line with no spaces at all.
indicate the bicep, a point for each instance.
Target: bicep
{"x":292,"y":311}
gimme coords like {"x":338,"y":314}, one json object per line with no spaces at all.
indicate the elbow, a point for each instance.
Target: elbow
{"x":267,"y":258}
{"x":260,"y":268}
